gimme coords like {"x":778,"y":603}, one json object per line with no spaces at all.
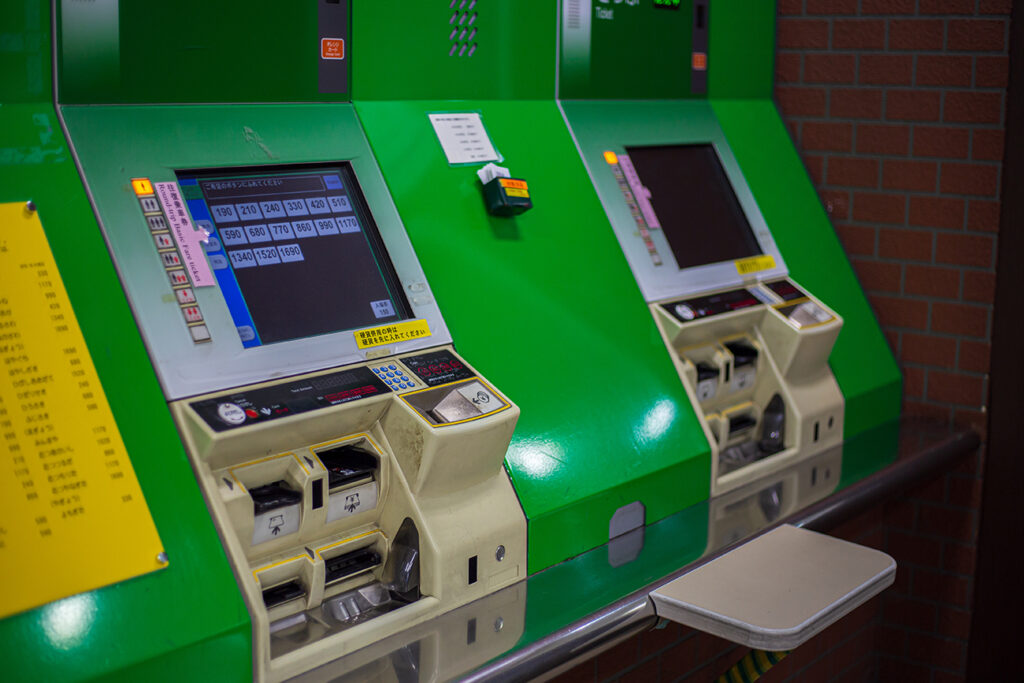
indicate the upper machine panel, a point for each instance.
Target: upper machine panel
{"x":239,"y":270}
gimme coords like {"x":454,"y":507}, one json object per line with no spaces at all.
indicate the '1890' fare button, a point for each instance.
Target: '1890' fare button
{"x":230,"y":413}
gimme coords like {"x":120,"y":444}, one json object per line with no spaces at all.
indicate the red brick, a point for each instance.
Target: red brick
{"x":915,"y":34}
{"x":974,"y":107}
{"x":831,"y":6}
{"x":983,"y":215}
{"x":680,"y":658}
{"x":995,"y":7}
{"x":944,"y":70}
{"x":886,"y":69}
{"x":833,"y":137}
{"x":986,"y":35}
{"x":908,"y":612}
{"x":882,"y":139}
{"x":902,"y":513}
{"x":948,"y":387}
{"x":974,"y":356}
{"x":912,"y":105}
{"x":988,"y":145}
{"x":876,"y":276}
{"x":890,"y":640}
{"x":947,"y":7}
{"x":617,"y":658}
{"x":858,"y":34}
{"x":887,"y":6}
{"x":965,"y":493}
{"x":979,"y":286}
{"x":646,"y":672}
{"x":946,"y":588}
{"x":991,"y":72}
{"x":801,"y":101}
{"x":815,"y":168}
{"x":973,"y":419}
{"x":941,"y":676}
{"x":955,"y":623}
{"x":897,"y":312}
{"x":802,"y":34}
{"x":879,"y":208}
{"x":852,"y":172}
{"x":964,"y":250}
{"x":787,"y":67}
{"x":829,"y":68}
{"x":857,"y":239}
{"x":855,"y":103}
{"x":932,"y":281}
{"x":944,"y":142}
{"x":937,"y":212}
{"x":584,"y":672}
{"x":935,"y":651}
{"x":901,"y":243}
{"x":926,"y":410}
{"x":929,"y":350}
{"x":976,"y":179}
{"x":919,"y":176}
{"x":948,"y":523}
{"x":915,"y":549}
{"x":959,"y":319}
{"x":790,"y":7}
{"x":837,"y":203}
{"x":890,"y":669}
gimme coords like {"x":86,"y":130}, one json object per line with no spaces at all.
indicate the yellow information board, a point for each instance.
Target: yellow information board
{"x":391,"y":334}
{"x":72,"y":515}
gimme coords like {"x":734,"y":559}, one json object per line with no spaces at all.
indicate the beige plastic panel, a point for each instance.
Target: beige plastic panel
{"x":448,"y":479}
{"x":792,"y":361}
{"x":778,"y":590}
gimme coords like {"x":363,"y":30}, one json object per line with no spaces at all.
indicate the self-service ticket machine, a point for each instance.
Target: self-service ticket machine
{"x":350,"y":458}
{"x":759,"y":311}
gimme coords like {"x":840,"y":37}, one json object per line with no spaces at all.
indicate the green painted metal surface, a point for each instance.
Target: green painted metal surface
{"x":545,"y":307}
{"x":861,"y":359}
{"x":189,"y":51}
{"x":401,"y":50}
{"x":164,"y":624}
{"x":741,"y":59}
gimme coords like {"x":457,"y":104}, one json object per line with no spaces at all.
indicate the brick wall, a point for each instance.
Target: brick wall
{"x":897,"y":107}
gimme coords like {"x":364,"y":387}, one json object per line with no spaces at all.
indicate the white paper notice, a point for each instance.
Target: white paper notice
{"x":463,"y":138}
{"x":188,"y":238}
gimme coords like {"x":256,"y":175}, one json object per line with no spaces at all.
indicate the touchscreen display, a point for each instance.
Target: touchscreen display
{"x":693,"y":199}
{"x":294,"y":250}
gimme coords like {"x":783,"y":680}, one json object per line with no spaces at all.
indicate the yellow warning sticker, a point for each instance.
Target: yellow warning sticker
{"x":391,"y":334}
{"x":516,"y":192}
{"x":72,"y":515}
{"x":755,"y":264}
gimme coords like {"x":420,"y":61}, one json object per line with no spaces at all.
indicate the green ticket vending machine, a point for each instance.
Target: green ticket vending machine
{"x":670,"y":106}
{"x":274,"y":339}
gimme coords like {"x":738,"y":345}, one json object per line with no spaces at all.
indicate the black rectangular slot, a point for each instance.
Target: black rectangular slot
{"x":318,"y":494}
{"x":471,"y":631}
{"x":272,"y":496}
{"x":346,"y":464}
{"x":700,"y":17}
{"x":743,"y":353}
{"x":282,"y":593}
{"x":472,"y":570}
{"x":817,"y":427}
{"x":740,"y":423}
{"x":350,"y":564}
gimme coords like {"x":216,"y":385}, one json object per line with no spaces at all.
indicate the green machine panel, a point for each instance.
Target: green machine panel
{"x":543,"y":302}
{"x":188,"y":618}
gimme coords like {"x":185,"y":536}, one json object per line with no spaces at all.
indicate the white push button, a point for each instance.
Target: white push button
{"x":230,"y":413}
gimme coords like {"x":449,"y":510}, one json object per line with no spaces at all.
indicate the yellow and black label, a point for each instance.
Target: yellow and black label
{"x":391,"y":334}
{"x":755,"y":264}
{"x":515,"y":188}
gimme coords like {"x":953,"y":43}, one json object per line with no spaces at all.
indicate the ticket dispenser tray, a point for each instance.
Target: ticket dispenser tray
{"x":777,"y":591}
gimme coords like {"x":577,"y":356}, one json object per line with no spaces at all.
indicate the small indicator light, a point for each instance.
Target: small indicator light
{"x":611,"y":157}
{"x":142,"y":186}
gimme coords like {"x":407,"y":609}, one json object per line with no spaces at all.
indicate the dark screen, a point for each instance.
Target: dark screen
{"x":302,"y":255}
{"x":695,"y":204}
